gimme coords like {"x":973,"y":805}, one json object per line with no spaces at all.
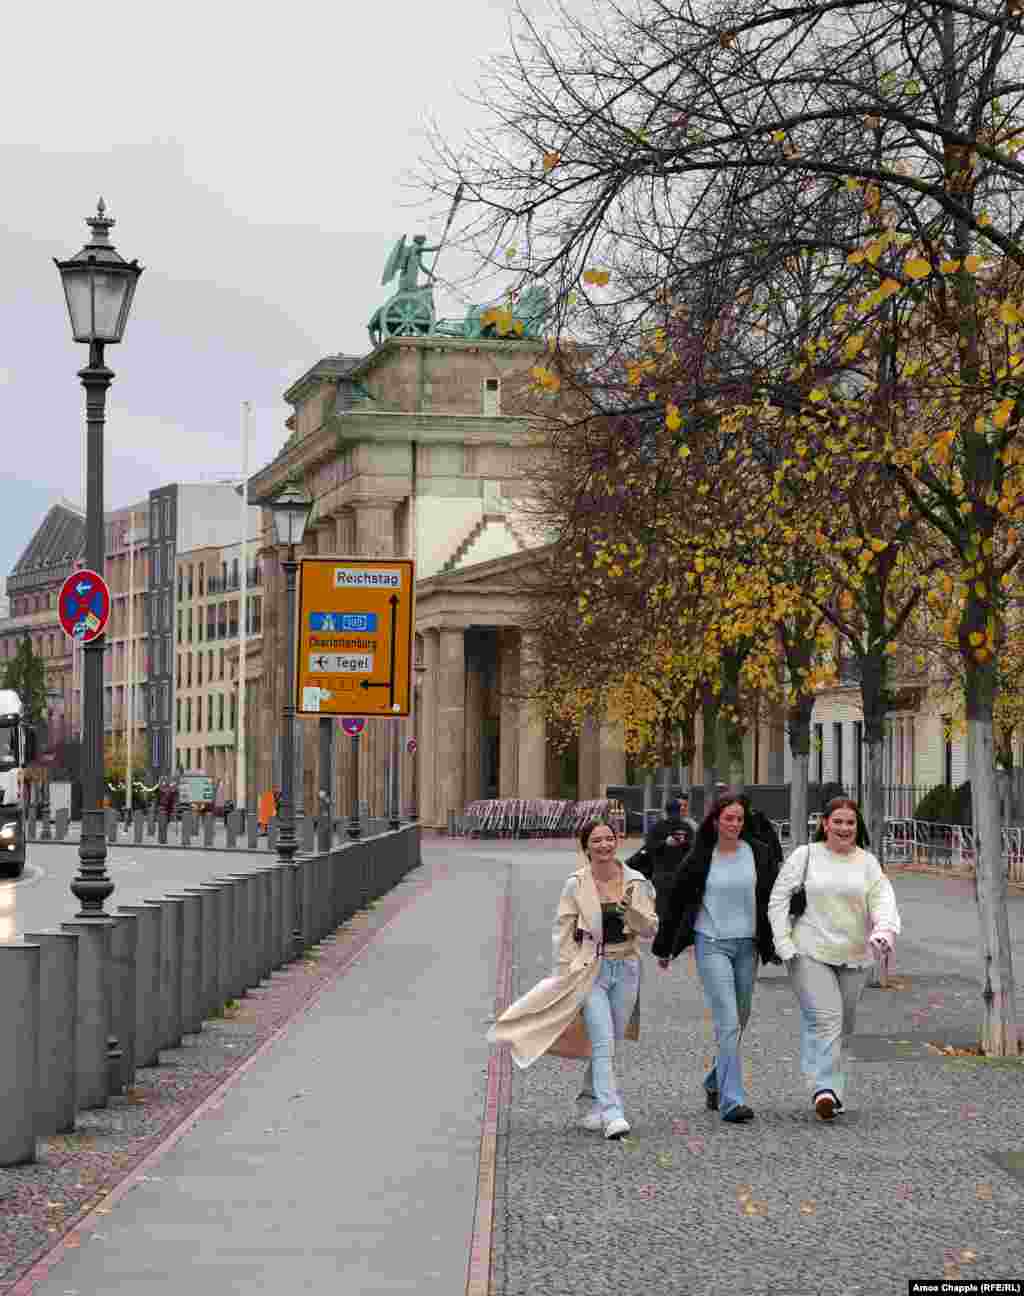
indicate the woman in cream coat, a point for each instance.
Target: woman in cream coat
{"x":850,"y":912}
{"x":604,"y":908}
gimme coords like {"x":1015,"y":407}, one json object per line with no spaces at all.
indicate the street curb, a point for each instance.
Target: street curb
{"x":499,"y":1079}
{"x":90,"y":1221}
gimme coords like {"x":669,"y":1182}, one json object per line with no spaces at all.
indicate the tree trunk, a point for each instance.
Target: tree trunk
{"x":687,"y":749}
{"x":1000,"y":1032}
{"x":874,"y":669}
{"x":800,"y":748}
{"x":709,"y":746}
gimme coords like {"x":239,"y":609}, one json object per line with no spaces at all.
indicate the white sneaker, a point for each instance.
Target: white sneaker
{"x":592,"y":1120}
{"x":616,"y":1128}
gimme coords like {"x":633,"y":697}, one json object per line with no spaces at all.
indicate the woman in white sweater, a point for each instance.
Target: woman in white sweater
{"x":850,"y":913}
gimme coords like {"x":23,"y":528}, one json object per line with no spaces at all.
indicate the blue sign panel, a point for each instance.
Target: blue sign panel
{"x":343,"y":622}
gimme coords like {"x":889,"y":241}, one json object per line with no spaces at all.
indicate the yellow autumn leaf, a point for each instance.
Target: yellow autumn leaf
{"x":972,"y":263}
{"x":818,"y":394}
{"x":976,"y":638}
{"x":855,"y":258}
{"x":1009,"y":314}
{"x":598,"y":277}
{"x":673,"y":421}
{"x":949,"y":267}
{"x":839,"y":314}
{"x":779,"y":136}
{"x":1002,"y":416}
{"x":879,"y":546}
{"x":984,"y":219}
{"x":551,"y":160}
{"x":917,"y":268}
{"x":888,"y":287}
{"x":853,"y":346}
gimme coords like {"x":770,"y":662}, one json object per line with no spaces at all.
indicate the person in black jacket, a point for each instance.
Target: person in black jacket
{"x":665,"y":847}
{"x":719,"y":904}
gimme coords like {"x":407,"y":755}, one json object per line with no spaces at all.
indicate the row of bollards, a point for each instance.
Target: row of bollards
{"x":83,"y":1007}
{"x":241,"y":831}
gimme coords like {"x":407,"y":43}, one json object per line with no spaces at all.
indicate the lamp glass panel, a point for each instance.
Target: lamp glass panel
{"x":109,"y":297}
{"x":77,"y":290}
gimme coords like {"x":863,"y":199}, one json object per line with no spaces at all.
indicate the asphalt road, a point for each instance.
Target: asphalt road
{"x":41,"y":898}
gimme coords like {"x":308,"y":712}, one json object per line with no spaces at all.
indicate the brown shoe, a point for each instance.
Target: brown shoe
{"x":825,"y":1105}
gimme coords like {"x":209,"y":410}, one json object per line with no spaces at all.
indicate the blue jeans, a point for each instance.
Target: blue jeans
{"x":828,"y":996}
{"x":727,"y":970}
{"x":606,"y":1013}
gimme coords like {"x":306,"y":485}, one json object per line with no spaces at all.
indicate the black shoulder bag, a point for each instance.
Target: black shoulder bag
{"x":798,"y":900}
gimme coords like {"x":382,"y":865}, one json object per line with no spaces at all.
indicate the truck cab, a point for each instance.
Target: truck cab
{"x":17,"y":748}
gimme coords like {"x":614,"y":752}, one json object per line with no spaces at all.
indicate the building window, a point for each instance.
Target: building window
{"x":234,"y":711}
{"x":179,"y":624}
{"x":188,"y":715}
{"x":188,"y":626}
{"x":492,"y":397}
{"x":156,"y":566}
{"x":837,"y":758}
{"x":947,"y":750}
{"x":177,"y":714}
{"x":819,"y":754}
{"x":220,"y":711}
{"x":199,"y":714}
{"x":181,"y":582}
{"x":858,"y":757}
{"x":222,"y":663}
{"x":190,"y":575}
{"x":202,"y":578}
{"x":199,"y":668}
{"x":188,"y":671}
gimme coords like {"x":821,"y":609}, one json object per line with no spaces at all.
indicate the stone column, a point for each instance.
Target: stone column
{"x":474,"y":722}
{"x":611,"y":757}
{"x":532,"y":726}
{"x":451,"y":726}
{"x":508,"y":724}
{"x":375,"y":530}
{"x":426,"y":776}
{"x":589,"y":760}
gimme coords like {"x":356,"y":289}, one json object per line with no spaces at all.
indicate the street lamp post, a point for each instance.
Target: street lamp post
{"x":99,"y":286}
{"x":290,"y":510}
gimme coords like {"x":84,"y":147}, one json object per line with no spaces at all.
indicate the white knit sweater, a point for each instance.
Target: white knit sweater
{"x":849,"y":900}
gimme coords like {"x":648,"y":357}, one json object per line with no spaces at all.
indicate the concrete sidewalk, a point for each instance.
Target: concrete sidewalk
{"x":345,"y":1158}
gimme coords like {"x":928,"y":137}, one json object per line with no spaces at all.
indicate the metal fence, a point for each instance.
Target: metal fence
{"x":152,"y":973}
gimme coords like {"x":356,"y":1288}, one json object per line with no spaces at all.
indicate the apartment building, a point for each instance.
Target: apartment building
{"x":208,"y":637}
{"x":32,"y":587}
{"x":126,"y":661}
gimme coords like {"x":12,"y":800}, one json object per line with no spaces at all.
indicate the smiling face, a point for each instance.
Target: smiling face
{"x":601,"y":844}
{"x":841,"y":830}
{"x":730,"y":823}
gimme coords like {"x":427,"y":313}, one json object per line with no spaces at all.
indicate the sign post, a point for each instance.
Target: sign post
{"x":353,"y":726}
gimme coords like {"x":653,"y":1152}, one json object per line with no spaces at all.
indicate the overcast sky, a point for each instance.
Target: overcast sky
{"x":253,"y":158}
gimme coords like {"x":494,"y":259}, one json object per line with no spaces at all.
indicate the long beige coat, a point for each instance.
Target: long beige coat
{"x":533,"y":1023}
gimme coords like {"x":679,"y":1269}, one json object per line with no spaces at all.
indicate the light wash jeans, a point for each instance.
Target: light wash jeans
{"x":727,"y":970}
{"x":606,"y":1013}
{"x":828,"y":995}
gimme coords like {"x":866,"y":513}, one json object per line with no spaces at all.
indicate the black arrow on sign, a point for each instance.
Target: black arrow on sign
{"x":389,"y":683}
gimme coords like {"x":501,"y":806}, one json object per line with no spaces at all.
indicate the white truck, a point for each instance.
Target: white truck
{"x":17,"y":748}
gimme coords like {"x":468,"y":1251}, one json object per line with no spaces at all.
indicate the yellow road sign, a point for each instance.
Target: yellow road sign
{"x":355,"y":636}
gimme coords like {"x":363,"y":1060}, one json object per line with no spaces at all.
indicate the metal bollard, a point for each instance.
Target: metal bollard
{"x":63,"y":820}
{"x":170,"y":971}
{"x":161,"y":829}
{"x":208,"y":902}
{"x":148,"y":967}
{"x":123,"y":984}
{"x":307,"y":829}
{"x":186,"y":828}
{"x":235,"y":927}
{"x":58,"y":990}
{"x":276,"y":915}
{"x":191,"y":963}
{"x":111,"y":825}
{"x":231,"y":830}
{"x":95,"y":1058}
{"x":209,"y":822}
{"x":138,"y":819}
{"x":288,"y":912}
{"x":19,"y":1066}
{"x":47,"y":833}
{"x":272,"y":830}
{"x":252,"y":830}
{"x":30,"y":823}
{"x":220,"y":972}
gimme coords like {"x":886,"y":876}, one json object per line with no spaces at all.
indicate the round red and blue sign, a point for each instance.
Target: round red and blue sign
{"x":84,"y":606}
{"x":353,"y":725}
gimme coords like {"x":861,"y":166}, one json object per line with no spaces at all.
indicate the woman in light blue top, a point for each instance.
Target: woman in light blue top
{"x":720,"y":904}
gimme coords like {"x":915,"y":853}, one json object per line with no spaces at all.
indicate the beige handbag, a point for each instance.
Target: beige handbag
{"x":574,"y":1042}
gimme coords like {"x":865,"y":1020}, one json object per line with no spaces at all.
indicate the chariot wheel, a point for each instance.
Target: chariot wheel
{"x":407,"y":314}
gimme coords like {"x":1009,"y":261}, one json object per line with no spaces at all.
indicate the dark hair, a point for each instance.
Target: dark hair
{"x":844,"y":803}
{"x":588,"y":828}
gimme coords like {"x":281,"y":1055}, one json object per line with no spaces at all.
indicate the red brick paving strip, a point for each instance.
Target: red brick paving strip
{"x":47,"y":1208}
{"x":499,"y":1080}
